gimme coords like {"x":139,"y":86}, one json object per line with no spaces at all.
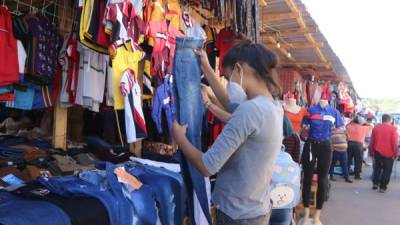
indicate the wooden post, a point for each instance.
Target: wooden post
{"x":60,"y":127}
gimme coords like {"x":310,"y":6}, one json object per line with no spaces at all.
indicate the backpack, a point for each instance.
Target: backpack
{"x":285,"y":183}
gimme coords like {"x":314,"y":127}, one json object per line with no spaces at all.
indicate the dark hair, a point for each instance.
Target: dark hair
{"x":369,"y":119}
{"x":258,"y":57}
{"x":386,"y":118}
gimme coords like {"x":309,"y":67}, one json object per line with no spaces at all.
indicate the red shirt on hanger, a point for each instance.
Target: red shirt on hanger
{"x":225,"y":41}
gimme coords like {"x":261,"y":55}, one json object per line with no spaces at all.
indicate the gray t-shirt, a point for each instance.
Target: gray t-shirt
{"x":244,"y":155}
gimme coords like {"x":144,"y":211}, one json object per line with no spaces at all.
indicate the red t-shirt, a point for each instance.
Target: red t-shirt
{"x":384,"y":140}
{"x":225,"y":41}
{"x":9,"y":50}
{"x":296,"y":118}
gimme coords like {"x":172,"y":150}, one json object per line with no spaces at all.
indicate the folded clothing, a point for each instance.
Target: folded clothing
{"x":75,"y":208}
{"x":68,"y":165}
{"x":18,"y":211}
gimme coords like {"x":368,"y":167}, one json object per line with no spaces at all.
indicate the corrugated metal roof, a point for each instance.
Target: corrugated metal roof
{"x":305,"y":56}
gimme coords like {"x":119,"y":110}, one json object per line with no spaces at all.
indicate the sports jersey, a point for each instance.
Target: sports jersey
{"x":135,"y":125}
{"x":125,"y":56}
{"x":321,"y":121}
{"x":91,"y":29}
{"x":123,"y":22}
{"x":158,"y":31}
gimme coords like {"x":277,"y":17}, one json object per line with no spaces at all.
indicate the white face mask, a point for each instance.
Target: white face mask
{"x":236,"y":93}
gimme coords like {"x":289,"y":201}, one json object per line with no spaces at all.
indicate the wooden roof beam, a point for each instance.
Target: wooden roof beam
{"x":296,"y":45}
{"x":305,"y":63}
{"x":280,"y":16}
{"x":309,"y":37}
{"x":287,"y":33}
{"x":282,"y":50}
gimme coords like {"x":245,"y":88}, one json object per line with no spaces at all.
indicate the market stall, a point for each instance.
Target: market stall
{"x":104,"y":80}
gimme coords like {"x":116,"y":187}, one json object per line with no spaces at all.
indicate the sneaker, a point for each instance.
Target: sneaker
{"x":332,"y":178}
{"x":382,"y":190}
{"x":348,"y":180}
{"x":375,"y":187}
{"x":358,"y":177}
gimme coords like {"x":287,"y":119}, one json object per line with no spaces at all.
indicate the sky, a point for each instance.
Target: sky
{"x":365,"y":34}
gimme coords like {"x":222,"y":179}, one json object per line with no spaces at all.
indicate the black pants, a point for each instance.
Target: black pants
{"x":355,"y":151}
{"x":320,"y":153}
{"x":382,"y":170}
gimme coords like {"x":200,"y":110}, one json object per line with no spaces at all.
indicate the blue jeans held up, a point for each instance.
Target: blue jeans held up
{"x":281,"y":216}
{"x":168,"y":192}
{"x":342,"y":158}
{"x":190,"y":111}
{"x":16,"y":211}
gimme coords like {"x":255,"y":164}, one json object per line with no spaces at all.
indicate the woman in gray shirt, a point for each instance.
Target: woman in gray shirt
{"x":245,"y":151}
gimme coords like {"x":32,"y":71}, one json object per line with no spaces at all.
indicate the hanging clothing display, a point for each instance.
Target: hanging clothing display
{"x":134,"y":119}
{"x":126,"y":56}
{"x":9,"y":52}
{"x":226,"y":40}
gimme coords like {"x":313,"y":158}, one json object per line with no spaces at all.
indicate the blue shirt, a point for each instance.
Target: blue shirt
{"x":322,"y":121}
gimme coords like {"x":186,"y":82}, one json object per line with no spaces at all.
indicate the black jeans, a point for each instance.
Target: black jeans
{"x":355,"y":150}
{"x":318,"y":152}
{"x":382,"y":170}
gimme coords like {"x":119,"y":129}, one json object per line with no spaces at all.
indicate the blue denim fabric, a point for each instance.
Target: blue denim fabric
{"x":16,"y":211}
{"x":144,"y":204}
{"x":342,"y":158}
{"x":101,"y":185}
{"x":9,"y":140}
{"x":11,"y":154}
{"x":167,"y":189}
{"x":190,"y":111}
{"x":180,"y":197}
{"x":281,"y":217}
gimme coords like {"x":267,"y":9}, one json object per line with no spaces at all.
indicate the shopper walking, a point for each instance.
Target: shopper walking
{"x":339,"y":147}
{"x":356,"y":132}
{"x":245,"y":152}
{"x":384,"y":149}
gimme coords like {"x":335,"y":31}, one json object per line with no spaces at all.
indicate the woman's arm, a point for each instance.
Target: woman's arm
{"x":221,"y":114}
{"x":191,"y":153}
{"x":217,"y":87}
{"x":212,"y":105}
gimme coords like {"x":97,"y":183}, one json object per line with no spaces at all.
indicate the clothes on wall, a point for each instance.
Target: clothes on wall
{"x":29,"y":71}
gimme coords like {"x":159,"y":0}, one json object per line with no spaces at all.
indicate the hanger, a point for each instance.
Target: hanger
{"x":16,"y":11}
{"x":54,"y":12}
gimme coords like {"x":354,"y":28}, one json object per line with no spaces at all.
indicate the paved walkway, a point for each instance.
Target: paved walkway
{"x":358,"y":204}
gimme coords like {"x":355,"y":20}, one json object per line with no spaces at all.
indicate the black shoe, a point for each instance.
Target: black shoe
{"x":358,"y":178}
{"x":348,"y":180}
{"x":375,"y":187}
{"x":332,"y":178}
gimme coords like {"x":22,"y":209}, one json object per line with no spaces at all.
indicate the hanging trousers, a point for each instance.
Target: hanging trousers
{"x":316,"y":152}
{"x":355,"y":150}
{"x":190,"y":111}
{"x":382,"y":170}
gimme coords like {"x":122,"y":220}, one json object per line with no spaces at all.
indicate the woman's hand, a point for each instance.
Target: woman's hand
{"x":205,"y":64}
{"x":179,"y":132}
